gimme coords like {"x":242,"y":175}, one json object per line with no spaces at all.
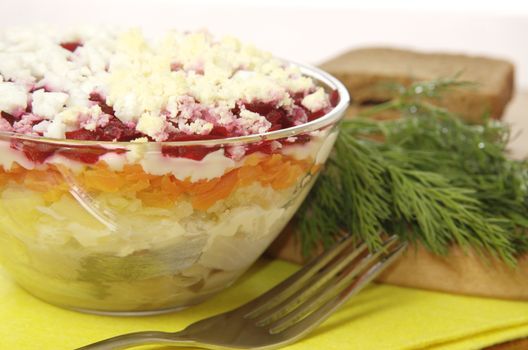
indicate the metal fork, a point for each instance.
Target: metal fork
{"x":286,"y":312}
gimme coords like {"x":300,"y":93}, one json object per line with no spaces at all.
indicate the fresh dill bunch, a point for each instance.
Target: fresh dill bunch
{"x":427,"y":177}
{"x":328,"y":211}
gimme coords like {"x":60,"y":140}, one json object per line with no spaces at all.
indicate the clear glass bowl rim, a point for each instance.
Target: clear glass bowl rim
{"x":329,"y":118}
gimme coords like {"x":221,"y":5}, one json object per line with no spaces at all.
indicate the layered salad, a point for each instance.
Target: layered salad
{"x":135,"y":172}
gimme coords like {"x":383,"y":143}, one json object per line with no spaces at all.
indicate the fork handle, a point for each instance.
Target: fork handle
{"x":130,"y":340}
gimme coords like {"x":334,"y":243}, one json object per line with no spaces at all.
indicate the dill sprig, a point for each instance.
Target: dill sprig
{"x":428,"y":177}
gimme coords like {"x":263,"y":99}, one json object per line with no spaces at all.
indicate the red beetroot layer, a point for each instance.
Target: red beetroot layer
{"x":116,"y":130}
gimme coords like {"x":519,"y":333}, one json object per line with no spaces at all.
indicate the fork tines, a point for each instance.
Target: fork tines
{"x":304,"y":300}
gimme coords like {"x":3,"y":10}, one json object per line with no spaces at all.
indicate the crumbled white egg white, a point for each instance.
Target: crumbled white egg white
{"x":56,"y":129}
{"x":48,"y":104}
{"x":199,"y":127}
{"x":69,"y":116}
{"x":148,"y":83}
{"x":151,"y":124}
{"x":253,"y":122}
{"x":42,"y":127}
{"x":316,"y":101}
{"x":12,"y":97}
{"x":90,"y":118}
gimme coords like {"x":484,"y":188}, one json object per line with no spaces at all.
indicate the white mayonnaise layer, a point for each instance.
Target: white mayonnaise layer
{"x":211,"y":166}
{"x":152,"y":160}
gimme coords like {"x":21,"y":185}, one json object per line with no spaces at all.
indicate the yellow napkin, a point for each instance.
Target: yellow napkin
{"x":381,"y":317}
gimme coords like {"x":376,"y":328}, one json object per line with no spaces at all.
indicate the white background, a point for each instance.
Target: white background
{"x":311,"y":30}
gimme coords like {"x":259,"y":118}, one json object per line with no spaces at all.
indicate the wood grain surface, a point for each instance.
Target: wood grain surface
{"x":521,"y":344}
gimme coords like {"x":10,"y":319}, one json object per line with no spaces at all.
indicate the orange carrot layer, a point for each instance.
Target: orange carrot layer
{"x":278,"y":171}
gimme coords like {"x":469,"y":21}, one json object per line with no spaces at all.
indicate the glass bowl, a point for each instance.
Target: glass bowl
{"x":140,"y":228}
